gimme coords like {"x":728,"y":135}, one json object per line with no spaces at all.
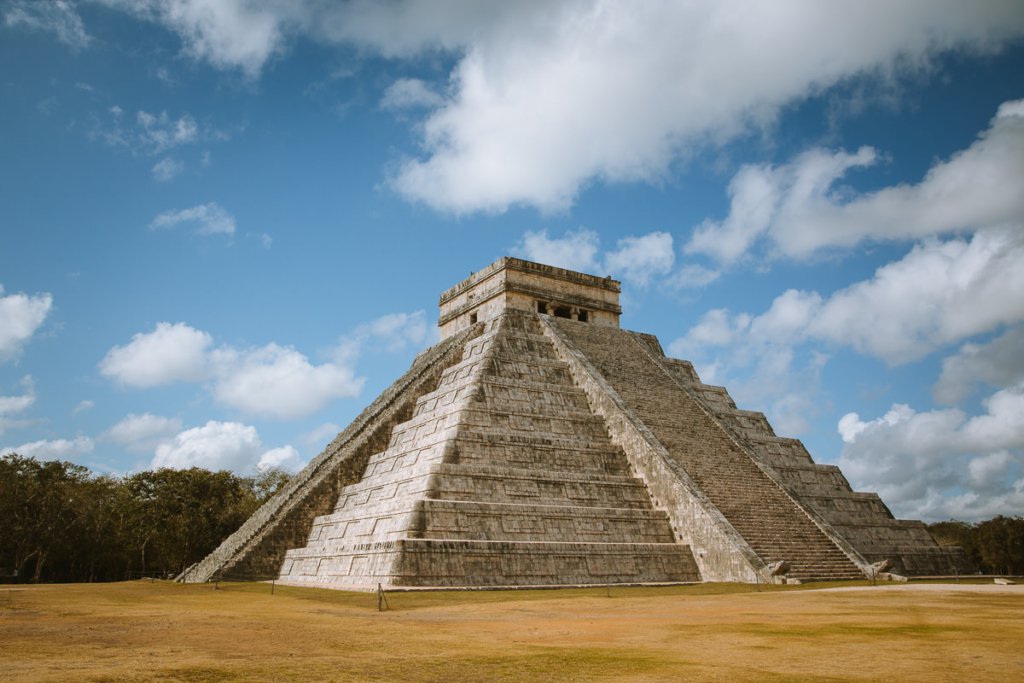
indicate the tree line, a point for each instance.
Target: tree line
{"x":995,"y":546}
{"x":60,"y":522}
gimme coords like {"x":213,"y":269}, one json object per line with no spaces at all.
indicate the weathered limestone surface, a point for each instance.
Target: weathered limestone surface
{"x":514,"y":284}
{"x":257,"y":549}
{"x":770,"y":522}
{"x":539,"y":444}
{"x":861,"y":519}
{"x":502,"y":476}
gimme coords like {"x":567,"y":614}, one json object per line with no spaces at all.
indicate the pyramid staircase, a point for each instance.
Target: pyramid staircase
{"x":539,"y":444}
{"x":774,"y":525}
{"x":502,"y":476}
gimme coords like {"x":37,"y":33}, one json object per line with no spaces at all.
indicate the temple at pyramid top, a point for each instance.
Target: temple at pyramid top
{"x":538,"y":443}
{"x":511,"y":283}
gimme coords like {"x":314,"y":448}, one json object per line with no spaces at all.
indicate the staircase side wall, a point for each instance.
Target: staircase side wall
{"x":720,"y":552}
{"x":257,"y":548}
{"x":861,"y":519}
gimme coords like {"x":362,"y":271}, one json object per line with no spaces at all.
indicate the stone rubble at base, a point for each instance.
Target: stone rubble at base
{"x":538,"y":444}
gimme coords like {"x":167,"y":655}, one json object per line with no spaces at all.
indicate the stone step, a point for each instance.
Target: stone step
{"x":518,"y":485}
{"x":754,"y":504}
{"x":447,"y":562}
{"x":472,"y":520}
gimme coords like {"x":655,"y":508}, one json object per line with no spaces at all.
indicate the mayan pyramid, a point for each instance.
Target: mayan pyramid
{"x":540,"y":444}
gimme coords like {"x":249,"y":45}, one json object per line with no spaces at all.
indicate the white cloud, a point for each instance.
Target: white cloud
{"x":226,"y":33}
{"x":285,"y":458}
{"x":82,"y":406}
{"x":760,"y":360}
{"x":152,"y":134}
{"x":143,"y":432}
{"x":167,"y":169}
{"x":52,"y":450}
{"x":999,"y":363}
{"x":272,"y":380}
{"x":20,"y":317}
{"x":320,"y":436}
{"x":939,"y":293}
{"x":941,"y":463}
{"x":410,"y":93}
{"x":54,"y":16}
{"x":636,"y":259}
{"x":577,"y":250}
{"x":160,"y":132}
{"x":799,"y":209}
{"x":693,"y":275}
{"x":13,"y":405}
{"x":208,"y":219}
{"x":617,"y":91}
{"x":280,"y":382}
{"x":21,"y":403}
{"x":220,"y":445}
{"x":639,"y":259}
{"x":392,"y":333}
{"x":547,"y":96}
{"x":170,"y":353}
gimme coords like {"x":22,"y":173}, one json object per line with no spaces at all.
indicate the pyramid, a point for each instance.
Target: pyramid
{"x":539,"y":444}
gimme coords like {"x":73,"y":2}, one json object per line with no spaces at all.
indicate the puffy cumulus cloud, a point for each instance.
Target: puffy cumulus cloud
{"x":56,"y":449}
{"x":284,"y":458}
{"x":170,"y":353}
{"x":167,"y":169}
{"x":279,"y":382}
{"x":635,"y":259}
{"x":639,"y":259}
{"x":220,"y":445}
{"x":799,"y":209}
{"x":692,"y":276}
{"x":206,"y":219}
{"x":392,"y":333}
{"x":144,"y":432}
{"x":717,"y":327}
{"x":939,"y":293}
{"x":941,"y":464}
{"x":768,"y":372}
{"x":226,"y":33}
{"x":20,"y":317}
{"x":22,"y":402}
{"x":410,"y":93}
{"x":546,"y":96}
{"x":576,"y":250}
{"x":615,"y":91}
{"x":17,"y":404}
{"x":999,"y":363}
{"x":58,"y":17}
{"x":272,"y":380}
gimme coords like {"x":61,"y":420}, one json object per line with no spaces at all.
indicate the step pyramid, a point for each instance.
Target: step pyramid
{"x":539,"y":444}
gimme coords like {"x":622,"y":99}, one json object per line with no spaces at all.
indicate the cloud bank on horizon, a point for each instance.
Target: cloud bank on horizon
{"x":544,"y":102}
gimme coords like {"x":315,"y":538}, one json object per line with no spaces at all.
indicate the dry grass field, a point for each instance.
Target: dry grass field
{"x":143,"y":631}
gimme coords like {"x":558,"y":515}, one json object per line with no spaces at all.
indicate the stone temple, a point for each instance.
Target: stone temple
{"x":539,"y":444}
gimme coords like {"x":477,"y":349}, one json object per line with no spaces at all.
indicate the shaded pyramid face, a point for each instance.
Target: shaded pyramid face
{"x":539,"y":444}
{"x":503,"y":476}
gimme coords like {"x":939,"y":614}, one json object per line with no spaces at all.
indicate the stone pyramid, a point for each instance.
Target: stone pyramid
{"x":540,"y":444}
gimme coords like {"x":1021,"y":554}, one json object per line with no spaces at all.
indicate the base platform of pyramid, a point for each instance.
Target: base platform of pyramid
{"x":538,"y":444}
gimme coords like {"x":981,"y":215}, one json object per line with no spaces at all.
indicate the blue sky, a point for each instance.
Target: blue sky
{"x":224,"y":224}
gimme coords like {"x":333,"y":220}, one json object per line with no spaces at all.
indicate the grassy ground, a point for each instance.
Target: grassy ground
{"x":144,"y":631}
